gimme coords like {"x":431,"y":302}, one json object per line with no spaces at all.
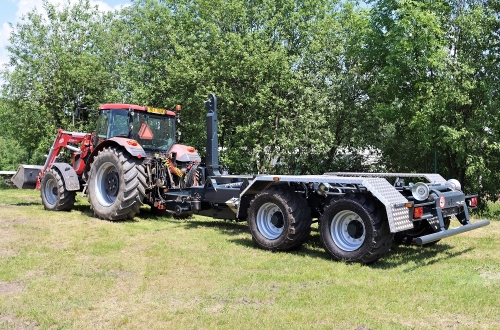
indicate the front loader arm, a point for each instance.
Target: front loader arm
{"x":64,"y":139}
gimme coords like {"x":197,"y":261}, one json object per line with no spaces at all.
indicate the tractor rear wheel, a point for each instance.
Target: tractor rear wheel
{"x":279,"y":219}
{"x":117,"y":185}
{"x":55,"y":197}
{"x":354,"y":229}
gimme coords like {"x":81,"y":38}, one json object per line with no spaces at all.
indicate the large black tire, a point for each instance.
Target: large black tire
{"x":422,"y":228}
{"x":117,"y":185}
{"x":279,"y":219}
{"x":55,"y":197}
{"x":354,"y":229}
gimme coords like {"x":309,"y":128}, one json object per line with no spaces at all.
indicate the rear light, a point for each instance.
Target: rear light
{"x":418,"y":212}
{"x":132,"y":143}
{"x":442,"y":202}
{"x":473,"y":202}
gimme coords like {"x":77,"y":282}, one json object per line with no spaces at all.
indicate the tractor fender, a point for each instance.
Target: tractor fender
{"x":68,"y":173}
{"x":132,"y":147}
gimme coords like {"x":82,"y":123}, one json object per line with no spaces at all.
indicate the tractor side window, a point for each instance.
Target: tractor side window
{"x":102,"y":124}
{"x":120,"y":124}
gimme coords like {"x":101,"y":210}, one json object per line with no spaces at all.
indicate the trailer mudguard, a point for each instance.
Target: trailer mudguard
{"x":68,"y":173}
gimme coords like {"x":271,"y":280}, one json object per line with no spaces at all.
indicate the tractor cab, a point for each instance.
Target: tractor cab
{"x":152,"y":128}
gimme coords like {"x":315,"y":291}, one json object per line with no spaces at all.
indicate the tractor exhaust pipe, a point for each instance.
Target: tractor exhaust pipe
{"x":212,"y":157}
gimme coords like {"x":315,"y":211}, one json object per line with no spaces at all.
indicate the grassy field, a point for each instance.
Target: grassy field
{"x":61,"y":270}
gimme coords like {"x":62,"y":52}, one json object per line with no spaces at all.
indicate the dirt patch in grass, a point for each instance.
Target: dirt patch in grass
{"x":6,"y":288}
{"x":7,"y":253}
{"x":490,"y":275}
{"x":13,"y":323}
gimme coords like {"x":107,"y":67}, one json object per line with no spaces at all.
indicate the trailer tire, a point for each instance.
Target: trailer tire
{"x":354,"y":229}
{"x":117,"y":184}
{"x":54,"y":195}
{"x":279,"y":219}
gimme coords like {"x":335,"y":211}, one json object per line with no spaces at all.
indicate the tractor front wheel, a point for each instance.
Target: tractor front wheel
{"x":117,"y":185}
{"x":55,"y":197}
{"x":354,"y":229}
{"x":279,"y":219}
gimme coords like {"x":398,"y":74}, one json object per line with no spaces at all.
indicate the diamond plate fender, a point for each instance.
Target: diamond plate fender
{"x":398,"y":214}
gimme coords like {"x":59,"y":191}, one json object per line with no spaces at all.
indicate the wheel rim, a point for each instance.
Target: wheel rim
{"x":107,"y":183}
{"x":348,"y":230}
{"x":50,"y":191}
{"x":270,"y":221}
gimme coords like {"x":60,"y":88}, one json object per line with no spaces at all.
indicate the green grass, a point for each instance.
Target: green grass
{"x":69,"y":270}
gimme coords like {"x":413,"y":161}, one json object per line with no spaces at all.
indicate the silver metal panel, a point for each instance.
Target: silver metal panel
{"x":430,"y":177}
{"x":233,"y":204}
{"x":7,"y":172}
{"x":397,"y":214}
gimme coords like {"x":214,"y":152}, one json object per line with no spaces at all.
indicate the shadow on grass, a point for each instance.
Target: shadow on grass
{"x":418,"y":257}
{"x":27,"y":203}
{"x":145,"y":214}
{"x":398,"y":255}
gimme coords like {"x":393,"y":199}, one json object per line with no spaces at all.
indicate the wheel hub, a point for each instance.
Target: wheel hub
{"x":277,"y":220}
{"x":111,"y":182}
{"x":355,"y":229}
{"x":347,"y":230}
{"x":270,"y":221}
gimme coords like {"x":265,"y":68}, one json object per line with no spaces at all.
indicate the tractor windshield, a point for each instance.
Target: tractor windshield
{"x":153,"y":132}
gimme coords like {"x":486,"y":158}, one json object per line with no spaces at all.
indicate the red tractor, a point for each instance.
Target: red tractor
{"x":132,"y":158}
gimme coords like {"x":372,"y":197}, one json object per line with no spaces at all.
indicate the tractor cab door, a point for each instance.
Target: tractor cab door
{"x":111,"y":123}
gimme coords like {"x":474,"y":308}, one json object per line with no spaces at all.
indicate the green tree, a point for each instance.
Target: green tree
{"x":434,"y":77}
{"x":277,"y":113}
{"x":56,"y":64}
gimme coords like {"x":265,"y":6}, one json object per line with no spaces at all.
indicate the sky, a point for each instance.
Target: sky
{"x":12,"y":10}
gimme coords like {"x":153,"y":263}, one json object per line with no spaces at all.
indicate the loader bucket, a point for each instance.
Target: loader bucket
{"x":25,"y":177}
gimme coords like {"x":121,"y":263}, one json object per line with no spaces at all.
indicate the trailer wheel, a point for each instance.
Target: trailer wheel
{"x":353,"y":229}
{"x":279,"y":219}
{"x":117,"y":185}
{"x":55,"y":197}
{"x":422,"y":228}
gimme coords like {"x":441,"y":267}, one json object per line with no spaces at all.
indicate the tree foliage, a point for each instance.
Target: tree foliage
{"x":435,"y":66}
{"x":56,"y":64}
{"x":303,"y":86}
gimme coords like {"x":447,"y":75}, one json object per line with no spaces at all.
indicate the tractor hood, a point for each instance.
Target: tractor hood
{"x":185,"y":153}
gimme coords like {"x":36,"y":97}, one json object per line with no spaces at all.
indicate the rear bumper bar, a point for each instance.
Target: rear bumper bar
{"x":450,"y":232}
